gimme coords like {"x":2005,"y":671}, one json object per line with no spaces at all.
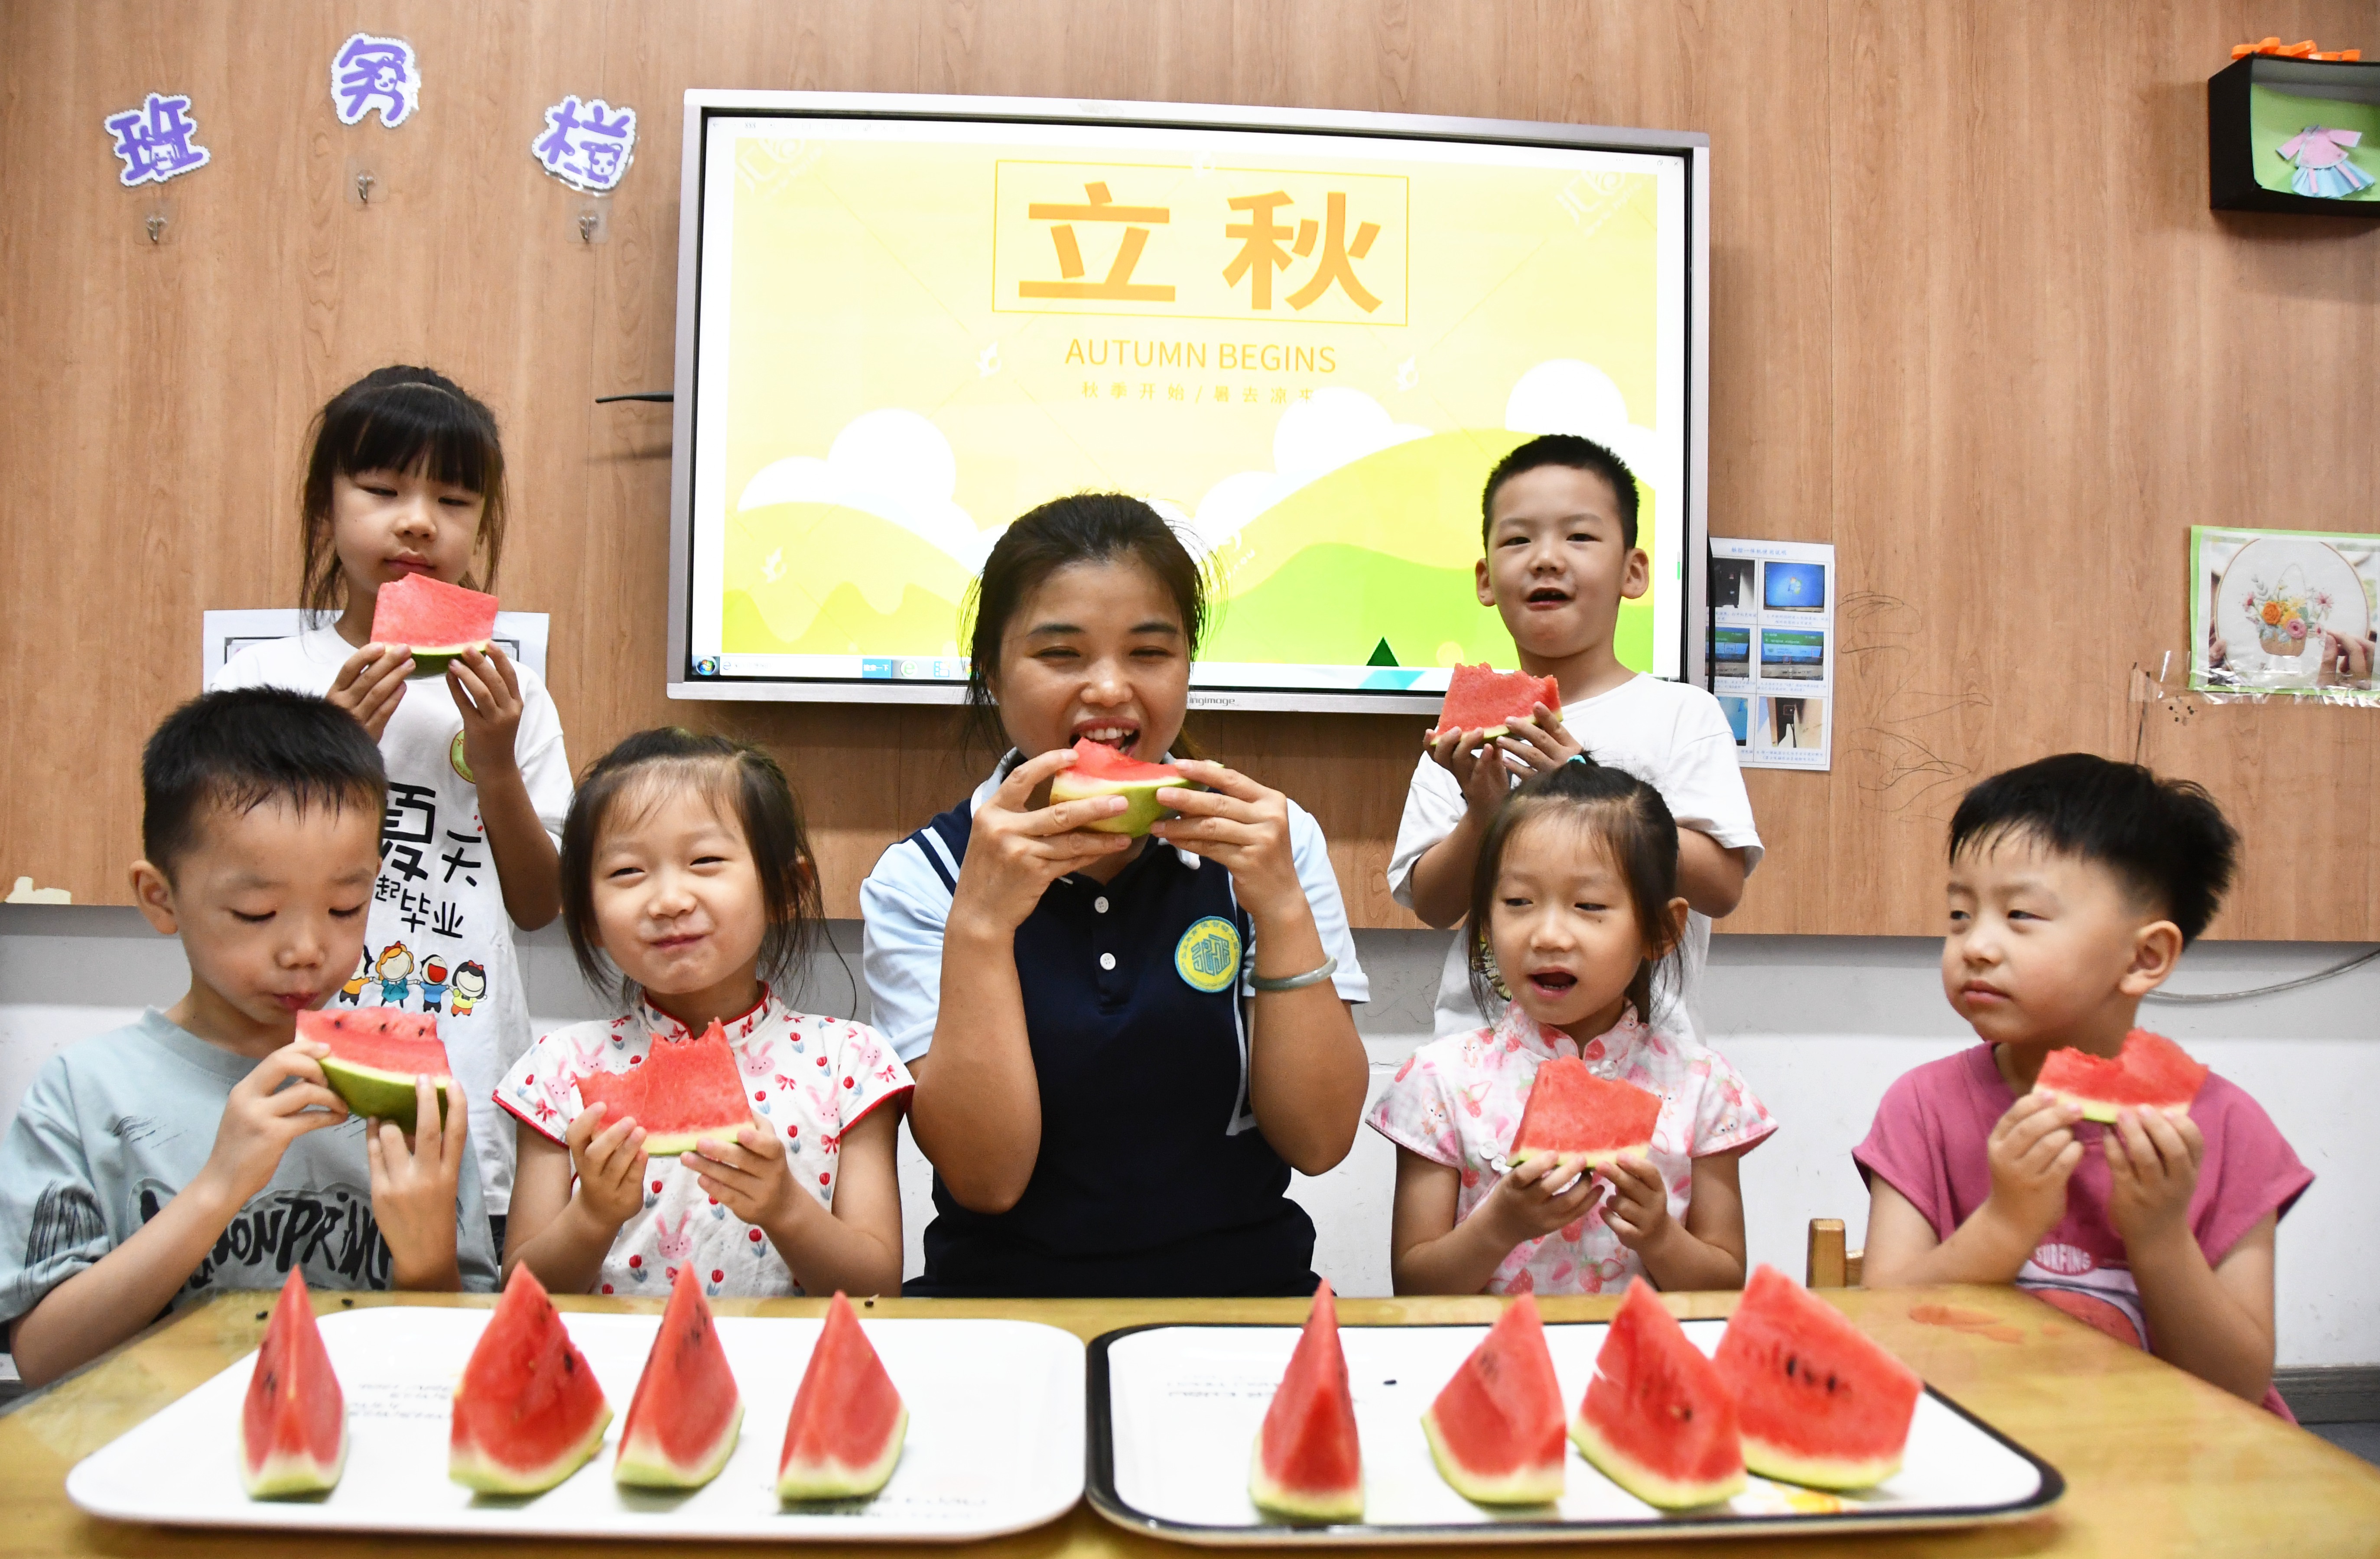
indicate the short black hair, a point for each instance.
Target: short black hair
{"x":395,"y":418}
{"x":747,"y":787}
{"x":235,"y":751}
{"x":1636,"y":825}
{"x":1564,"y":450}
{"x":2166,"y":839}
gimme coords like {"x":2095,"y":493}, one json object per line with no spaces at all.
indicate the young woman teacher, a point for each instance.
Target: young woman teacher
{"x":1121,"y":1046}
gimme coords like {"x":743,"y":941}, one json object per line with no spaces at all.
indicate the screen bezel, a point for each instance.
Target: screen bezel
{"x":701,"y":105}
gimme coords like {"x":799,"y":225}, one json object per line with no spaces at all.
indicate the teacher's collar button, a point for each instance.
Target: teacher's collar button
{"x":1106,"y":960}
{"x":1101,"y":904}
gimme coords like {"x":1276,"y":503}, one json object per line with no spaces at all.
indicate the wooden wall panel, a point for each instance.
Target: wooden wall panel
{"x":1971,"y":322}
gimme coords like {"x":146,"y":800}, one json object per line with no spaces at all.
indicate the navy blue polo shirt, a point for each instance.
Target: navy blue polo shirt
{"x":1152,"y":1177}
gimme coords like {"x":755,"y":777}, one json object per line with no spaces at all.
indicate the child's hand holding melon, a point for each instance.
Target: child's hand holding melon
{"x":749,"y":1174}
{"x":609,"y":1159}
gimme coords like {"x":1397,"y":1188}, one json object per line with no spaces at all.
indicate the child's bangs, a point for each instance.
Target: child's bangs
{"x":418,"y":426}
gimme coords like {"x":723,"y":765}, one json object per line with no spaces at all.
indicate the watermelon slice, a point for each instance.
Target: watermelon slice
{"x":1308,"y":1463}
{"x":2151,"y":1070}
{"x":1573,"y":1111}
{"x":1101,"y":770}
{"x":1495,"y":1429}
{"x":433,"y":619}
{"x":375,"y":1055}
{"x":1479,"y":698}
{"x":1818,"y":1402}
{"x":526,"y":1412}
{"x":846,"y":1429}
{"x":293,"y":1432}
{"x":683,"y":1091}
{"x":682,"y":1421}
{"x":1657,"y":1417}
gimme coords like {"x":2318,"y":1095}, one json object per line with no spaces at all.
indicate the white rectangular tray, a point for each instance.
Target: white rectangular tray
{"x":995,"y":1441}
{"x":1175,"y":1413}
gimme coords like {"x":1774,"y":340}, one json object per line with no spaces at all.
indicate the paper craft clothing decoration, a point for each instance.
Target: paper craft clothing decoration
{"x":2319,"y":155}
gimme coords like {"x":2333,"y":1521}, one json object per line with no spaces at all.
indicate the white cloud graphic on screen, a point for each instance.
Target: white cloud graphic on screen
{"x":892,"y":463}
{"x":1313,"y":438}
{"x":1565,"y":395}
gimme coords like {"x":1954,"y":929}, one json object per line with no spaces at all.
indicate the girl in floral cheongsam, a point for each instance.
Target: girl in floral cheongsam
{"x":1577,"y":903}
{"x":688,"y":889}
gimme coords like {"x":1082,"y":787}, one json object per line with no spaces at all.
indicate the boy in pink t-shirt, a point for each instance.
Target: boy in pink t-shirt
{"x":2075,"y":883}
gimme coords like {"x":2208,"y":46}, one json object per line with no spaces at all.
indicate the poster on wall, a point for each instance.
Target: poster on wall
{"x":2284,"y":612}
{"x":1772,"y":650}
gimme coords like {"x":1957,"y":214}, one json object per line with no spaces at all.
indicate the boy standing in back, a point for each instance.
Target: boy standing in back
{"x":1558,"y":535}
{"x":197,"y":1149}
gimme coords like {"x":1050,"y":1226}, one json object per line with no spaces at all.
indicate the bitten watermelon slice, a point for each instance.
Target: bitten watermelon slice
{"x":2151,"y":1070}
{"x":433,"y":619}
{"x":293,"y":1431}
{"x":683,"y":1091}
{"x":1818,"y":1402}
{"x":1479,"y":698}
{"x":682,"y":1421}
{"x":1657,"y":1417}
{"x":1573,"y":1111}
{"x":846,"y":1429}
{"x":375,"y":1055}
{"x":1495,"y":1429}
{"x":1101,"y":770}
{"x":527,"y":1413}
{"x":1308,"y":1463}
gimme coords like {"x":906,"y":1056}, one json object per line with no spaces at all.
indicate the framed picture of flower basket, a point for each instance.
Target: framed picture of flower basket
{"x":2287,"y":612}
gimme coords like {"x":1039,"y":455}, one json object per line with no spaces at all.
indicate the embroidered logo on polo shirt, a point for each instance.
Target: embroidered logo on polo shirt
{"x":1208,"y":956}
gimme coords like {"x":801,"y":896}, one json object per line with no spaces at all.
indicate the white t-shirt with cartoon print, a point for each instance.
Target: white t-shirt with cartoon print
{"x":440,"y":940}
{"x":812,"y":1079}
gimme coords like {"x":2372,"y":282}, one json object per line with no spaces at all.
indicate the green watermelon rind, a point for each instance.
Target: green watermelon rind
{"x":642,"y":1464}
{"x":292,"y":1474}
{"x":428,"y":662}
{"x":1838,"y":1475}
{"x":1530,"y":1485}
{"x":476,"y":1472}
{"x":829,"y":1478}
{"x":377,"y":1094}
{"x":1336,"y":1506}
{"x":1659,"y":1491}
{"x":1136,"y":819}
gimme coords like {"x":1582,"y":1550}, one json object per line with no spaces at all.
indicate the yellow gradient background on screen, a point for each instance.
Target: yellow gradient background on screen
{"x":1311,"y":365}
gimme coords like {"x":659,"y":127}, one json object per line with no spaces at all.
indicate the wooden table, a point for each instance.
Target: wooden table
{"x":2157,"y":1462}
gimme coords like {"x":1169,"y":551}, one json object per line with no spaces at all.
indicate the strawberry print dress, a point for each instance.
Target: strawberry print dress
{"x":811,"y":1078}
{"x":1457,"y":1101}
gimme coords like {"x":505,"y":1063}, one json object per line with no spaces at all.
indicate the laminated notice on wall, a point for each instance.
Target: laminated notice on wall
{"x":1772,"y":650}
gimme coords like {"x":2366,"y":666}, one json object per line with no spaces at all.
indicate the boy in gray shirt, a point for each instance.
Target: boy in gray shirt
{"x":197,"y":1149}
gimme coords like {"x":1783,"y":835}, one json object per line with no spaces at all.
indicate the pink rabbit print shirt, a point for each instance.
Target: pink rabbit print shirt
{"x":810,"y":1080}
{"x":1457,"y":1101}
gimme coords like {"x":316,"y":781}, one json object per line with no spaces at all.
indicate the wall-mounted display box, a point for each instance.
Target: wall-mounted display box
{"x":2295,"y":135}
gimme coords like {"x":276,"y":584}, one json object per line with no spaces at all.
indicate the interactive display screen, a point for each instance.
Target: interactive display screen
{"x":1305,"y":348}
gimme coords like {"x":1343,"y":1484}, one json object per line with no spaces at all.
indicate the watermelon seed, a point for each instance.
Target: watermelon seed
{"x":259,"y":1315}
{"x":349,"y":1303}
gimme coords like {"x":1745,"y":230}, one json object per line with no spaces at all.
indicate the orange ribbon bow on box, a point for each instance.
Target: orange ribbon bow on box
{"x":2291,"y":51}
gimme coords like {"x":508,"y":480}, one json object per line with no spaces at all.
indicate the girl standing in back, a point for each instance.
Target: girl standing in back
{"x":687,"y":890}
{"x":1576,"y":901}
{"x":407,"y":476}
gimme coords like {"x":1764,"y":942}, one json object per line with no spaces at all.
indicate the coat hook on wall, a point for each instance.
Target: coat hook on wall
{"x":364,"y":182}
{"x":156,"y":225}
{"x":591,"y":222}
